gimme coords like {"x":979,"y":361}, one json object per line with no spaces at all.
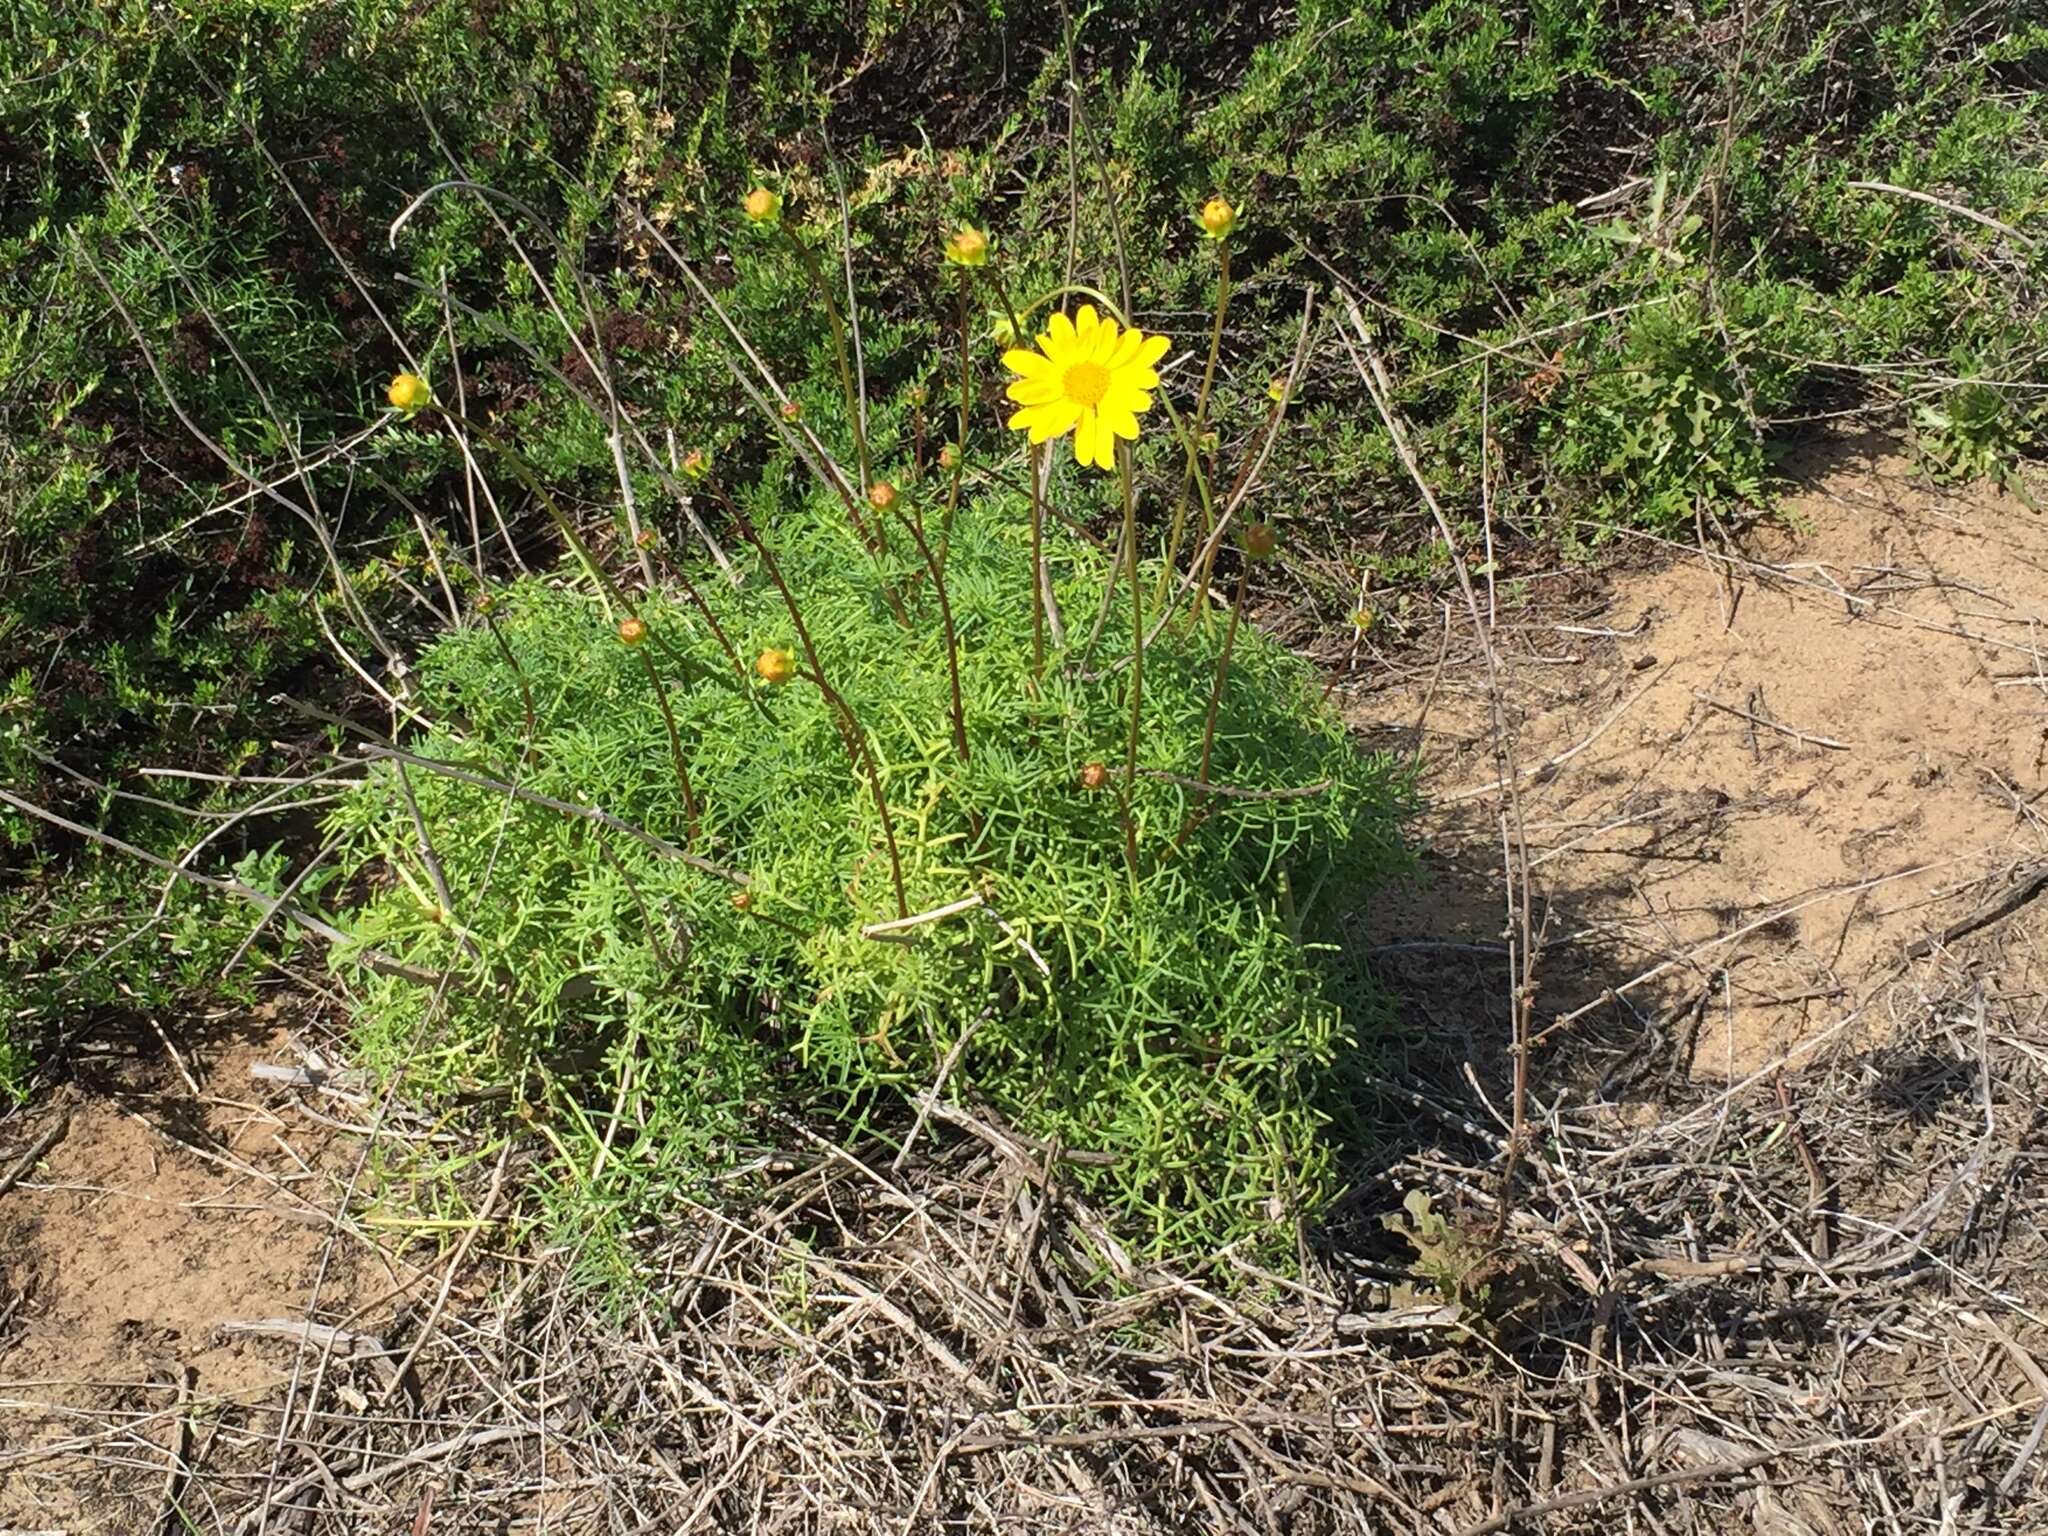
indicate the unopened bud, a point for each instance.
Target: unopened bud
{"x":967,"y":247}
{"x":409,"y":392}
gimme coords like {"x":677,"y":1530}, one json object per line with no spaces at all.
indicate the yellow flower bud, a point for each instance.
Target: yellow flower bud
{"x":1217,"y":219}
{"x":1005,"y":331}
{"x":967,"y":247}
{"x":696,"y":464}
{"x":409,"y":392}
{"x":632,"y":630}
{"x":774,"y":666}
{"x":1363,"y":620}
{"x":1259,"y":541}
{"x":881,"y":495}
{"x":763,"y":207}
{"x":1277,"y":390}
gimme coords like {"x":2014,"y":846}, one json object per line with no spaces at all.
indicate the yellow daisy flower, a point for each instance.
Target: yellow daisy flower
{"x":1088,"y":376}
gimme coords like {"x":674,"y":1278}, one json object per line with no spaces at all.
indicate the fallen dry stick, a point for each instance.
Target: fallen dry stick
{"x":1770,"y":725}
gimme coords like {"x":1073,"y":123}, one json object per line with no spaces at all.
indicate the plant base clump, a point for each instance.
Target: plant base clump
{"x":654,"y":972}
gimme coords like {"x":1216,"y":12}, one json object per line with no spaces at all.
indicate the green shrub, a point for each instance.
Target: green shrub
{"x":1177,"y":1021}
{"x":1973,"y":433}
{"x":1670,"y":425}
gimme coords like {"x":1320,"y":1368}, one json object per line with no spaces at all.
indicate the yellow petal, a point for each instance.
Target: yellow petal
{"x":1154,"y":348}
{"x":1031,"y":364}
{"x":1033,"y":391}
{"x":1105,"y":445}
{"x":1036,"y":420}
{"x":1046,"y":422}
{"x":1085,"y":323}
{"x":1126,"y":350}
{"x":1125,"y":402}
{"x":1058,"y":342}
{"x":1120,"y":424}
{"x":1137,"y":378}
{"x":1106,"y":340}
{"x":1084,"y":438}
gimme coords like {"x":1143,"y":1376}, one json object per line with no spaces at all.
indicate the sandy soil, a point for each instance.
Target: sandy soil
{"x":169,"y":1210}
{"x":1754,"y":776}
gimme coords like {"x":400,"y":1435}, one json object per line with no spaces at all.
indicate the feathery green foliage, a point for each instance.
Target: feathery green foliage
{"x":1179,"y":1022}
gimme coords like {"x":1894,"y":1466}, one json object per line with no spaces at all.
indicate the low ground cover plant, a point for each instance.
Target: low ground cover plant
{"x":921,"y":792}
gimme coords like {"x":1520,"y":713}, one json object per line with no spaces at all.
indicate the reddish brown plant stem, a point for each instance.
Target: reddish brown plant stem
{"x":850,"y":733}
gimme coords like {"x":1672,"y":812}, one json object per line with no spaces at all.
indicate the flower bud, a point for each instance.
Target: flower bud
{"x":742,"y":900}
{"x":792,"y":411}
{"x":775,"y":666}
{"x":1217,"y":219}
{"x":1363,"y":620}
{"x":632,"y":630}
{"x":967,"y":247}
{"x":1277,"y":390}
{"x":948,"y":456}
{"x":1005,"y":331}
{"x":696,"y":464}
{"x":1259,"y":541}
{"x":1094,"y":776}
{"x":881,"y":495}
{"x":763,"y":207}
{"x":409,"y":392}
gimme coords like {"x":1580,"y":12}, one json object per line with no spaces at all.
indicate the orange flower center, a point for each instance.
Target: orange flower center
{"x":1085,"y":383}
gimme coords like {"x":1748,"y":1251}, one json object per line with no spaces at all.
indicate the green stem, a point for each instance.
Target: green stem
{"x":1200,"y":808}
{"x":1187,"y":484}
{"x":816,"y":274}
{"x":938,"y":576}
{"x":1034,"y":457}
{"x":607,"y":589}
{"x":960,"y":443}
{"x":704,"y":610}
{"x":525,"y":688}
{"x":1222,"y":675}
{"x":995,"y":281}
{"x":850,"y":733}
{"x":1137,"y":652}
{"x":675,"y":747}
